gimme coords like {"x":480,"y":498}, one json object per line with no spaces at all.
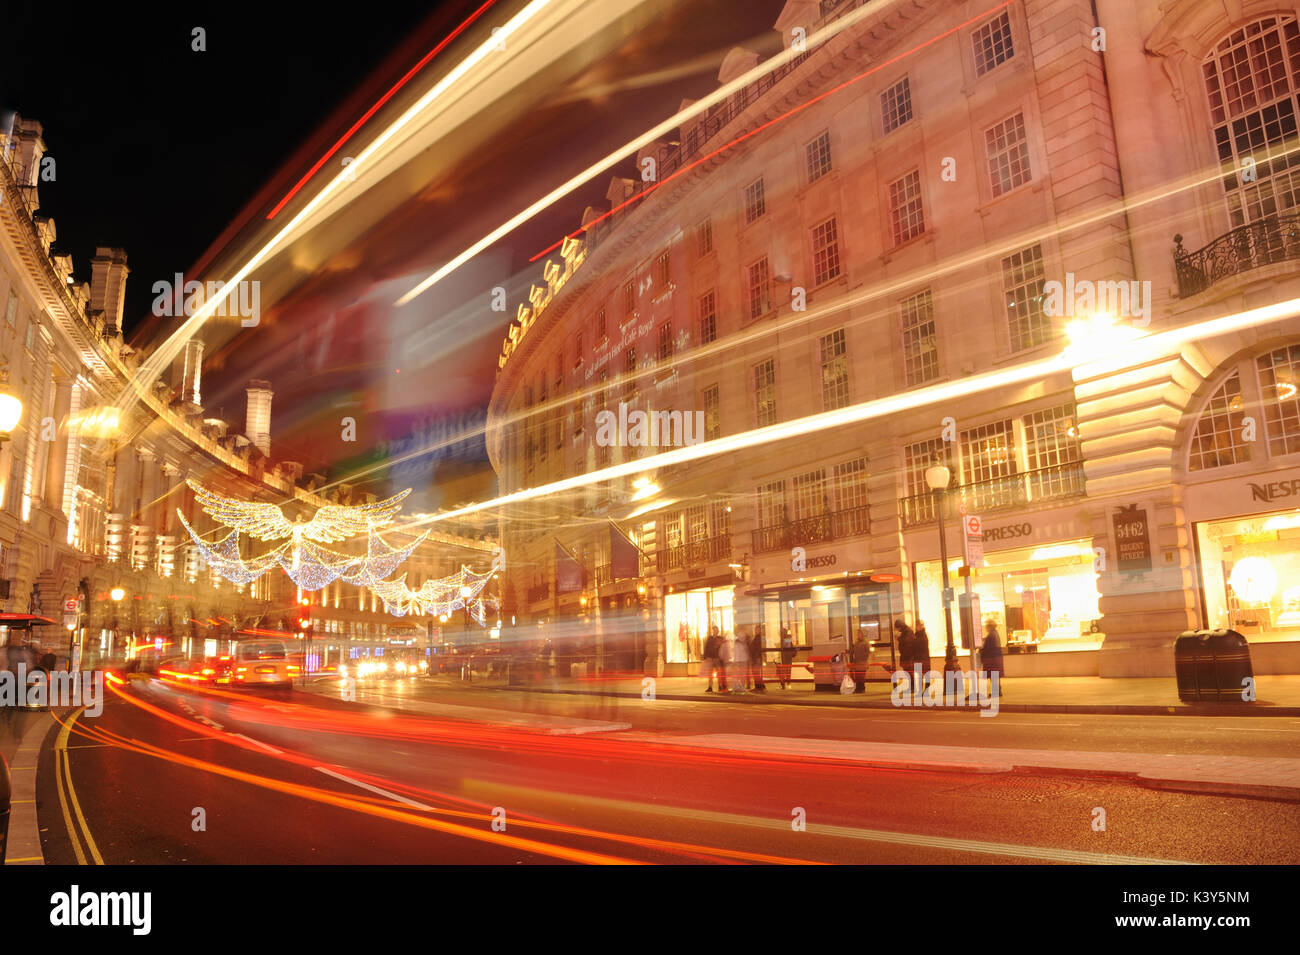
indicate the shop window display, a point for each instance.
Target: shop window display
{"x":1250,"y":575}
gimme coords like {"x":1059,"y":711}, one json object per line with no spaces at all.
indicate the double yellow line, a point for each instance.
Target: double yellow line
{"x":77,"y":827}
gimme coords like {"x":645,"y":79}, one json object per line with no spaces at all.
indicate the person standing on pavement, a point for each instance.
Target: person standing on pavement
{"x":905,"y":640}
{"x":921,"y":649}
{"x":787,"y":657}
{"x":858,"y":657}
{"x":756,"y":659}
{"x":713,"y":660}
{"x":737,"y":654}
{"x":991,"y":657}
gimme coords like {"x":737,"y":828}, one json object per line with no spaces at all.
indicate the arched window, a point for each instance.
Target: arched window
{"x":1254,"y":414}
{"x":1252,"y":78}
{"x":1219,"y":436}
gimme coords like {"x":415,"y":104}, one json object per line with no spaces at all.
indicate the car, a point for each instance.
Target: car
{"x":263,"y":663}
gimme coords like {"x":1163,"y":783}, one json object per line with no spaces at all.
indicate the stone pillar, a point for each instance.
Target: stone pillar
{"x":57,"y":452}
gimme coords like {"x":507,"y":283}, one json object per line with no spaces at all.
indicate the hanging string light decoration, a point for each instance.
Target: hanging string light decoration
{"x":302,"y":556}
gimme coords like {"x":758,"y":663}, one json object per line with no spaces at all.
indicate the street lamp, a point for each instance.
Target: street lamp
{"x":11,"y":407}
{"x":937,"y":477}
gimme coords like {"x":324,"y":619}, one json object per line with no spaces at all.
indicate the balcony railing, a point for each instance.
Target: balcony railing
{"x":704,"y":551}
{"x":1271,"y":240}
{"x":1016,"y":490}
{"x":832,"y":525}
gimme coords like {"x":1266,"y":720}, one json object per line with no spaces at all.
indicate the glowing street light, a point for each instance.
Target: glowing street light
{"x":117,"y":593}
{"x":11,"y":406}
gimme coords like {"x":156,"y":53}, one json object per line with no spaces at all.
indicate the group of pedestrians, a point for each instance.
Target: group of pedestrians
{"x":737,"y":660}
{"x":914,"y":650}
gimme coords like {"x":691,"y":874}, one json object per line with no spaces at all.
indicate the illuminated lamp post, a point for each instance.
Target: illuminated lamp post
{"x":11,"y":406}
{"x":937,"y":477}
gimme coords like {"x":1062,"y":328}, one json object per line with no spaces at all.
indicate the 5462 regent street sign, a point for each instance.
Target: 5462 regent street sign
{"x":1132,"y":538}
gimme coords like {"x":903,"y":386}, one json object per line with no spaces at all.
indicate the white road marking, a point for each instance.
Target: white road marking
{"x":255,"y":742}
{"x":374,"y":789}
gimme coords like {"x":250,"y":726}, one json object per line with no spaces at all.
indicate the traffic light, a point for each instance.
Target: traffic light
{"x":304,"y":618}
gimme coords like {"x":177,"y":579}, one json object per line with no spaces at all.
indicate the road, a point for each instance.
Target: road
{"x":314,"y":779}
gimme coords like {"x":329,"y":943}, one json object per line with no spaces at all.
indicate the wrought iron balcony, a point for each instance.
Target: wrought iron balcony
{"x":1016,"y":490}
{"x":832,"y":525}
{"x":1272,"y":239}
{"x":692,"y":554}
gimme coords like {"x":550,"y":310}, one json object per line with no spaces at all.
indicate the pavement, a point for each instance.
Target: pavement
{"x":1134,"y":696}
{"x":20,"y":747}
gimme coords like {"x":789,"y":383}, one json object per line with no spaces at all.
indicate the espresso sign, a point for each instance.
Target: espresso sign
{"x":1132,"y":538}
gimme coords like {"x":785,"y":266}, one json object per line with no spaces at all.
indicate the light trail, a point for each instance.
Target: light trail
{"x":410,"y":74}
{"x":1150,"y":345}
{"x":652,"y":135}
{"x":155,"y":364}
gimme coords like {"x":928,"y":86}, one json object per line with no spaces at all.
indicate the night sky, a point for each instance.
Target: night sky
{"x":166,"y":151}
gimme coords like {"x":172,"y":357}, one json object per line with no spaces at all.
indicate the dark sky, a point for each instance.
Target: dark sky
{"x":160,"y":149}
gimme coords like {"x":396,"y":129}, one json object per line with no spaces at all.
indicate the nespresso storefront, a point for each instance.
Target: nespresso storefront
{"x":1247,"y":533}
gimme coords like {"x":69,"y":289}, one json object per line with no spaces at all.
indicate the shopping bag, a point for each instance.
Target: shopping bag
{"x":847,"y":685}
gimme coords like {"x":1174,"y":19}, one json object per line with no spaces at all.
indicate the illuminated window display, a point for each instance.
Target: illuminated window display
{"x":688,"y":616}
{"x":1041,"y":598}
{"x":1250,"y":575}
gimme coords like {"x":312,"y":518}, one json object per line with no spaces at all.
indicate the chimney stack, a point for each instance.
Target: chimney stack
{"x":108,"y":274}
{"x":257,"y":426}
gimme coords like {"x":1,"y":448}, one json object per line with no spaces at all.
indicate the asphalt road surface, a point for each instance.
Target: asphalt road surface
{"x":185,"y":775}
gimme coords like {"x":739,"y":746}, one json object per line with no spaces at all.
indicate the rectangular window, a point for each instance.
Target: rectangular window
{"x":920,"y":343}
{"x":629,"y":298}
{"x":697,"y":523}
{"x":987,"y":453}
{"x":826,"y":252}
{"x":577,"y":349}
{"x":602,"y":329}
{"x":721,"y":517}
{"x":835,"y":370}
{"x":765,"y":392}
{"x":1022,"y":290}
{"x":629,"y":372}
{"x":919,"y":504}
{"x":760,"y":295}
{"x":704,"y":238}
{"x":708,"y":318}
{"x":817,"y":157}
{"x":11,"y":310}
{"x":665,"y":341}
{"x":712,"y":413}
{"x":30,"y":343}
{"x":755,"y":201}
{"x":1008,"y":153}
{"x":671,"y":525}
{"x":1279,"y":375}
{"x":851,"y":498}
{"x":810,"y":494}
{"x":771,"y":504}
{"x":992,"y":43}
{"x":1052,"y":452}
{"x":896,"y":105}
{"x":662,"y":272}
{"x":906,"y":218}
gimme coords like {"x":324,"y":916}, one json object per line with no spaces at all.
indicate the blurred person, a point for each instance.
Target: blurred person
{"x":788,"y":652}
{"x":713,"y":660}
{"x":738,"y":665}
{"x":858,"y":656}
{"x":991,"y":658}
{"x":921,"y":649}
{"x":905,"y":639}
{"x":756,"y":659}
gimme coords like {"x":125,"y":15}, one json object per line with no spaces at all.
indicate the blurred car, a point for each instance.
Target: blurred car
{"x":263,"y":663}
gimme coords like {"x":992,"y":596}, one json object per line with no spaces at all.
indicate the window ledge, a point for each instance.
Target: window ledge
{"x":928,"y":236}
{"x":1033,"y":185}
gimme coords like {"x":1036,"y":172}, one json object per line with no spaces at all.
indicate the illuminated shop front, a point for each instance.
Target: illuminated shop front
{"x":830,"y":612}
{"x":1250,"y":575}
{"x":1042,"y":598}
{"x":688,"y":615}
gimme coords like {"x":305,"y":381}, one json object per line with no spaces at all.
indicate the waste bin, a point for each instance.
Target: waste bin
{"x":1212,"y":666}
{"x":5,"y":801}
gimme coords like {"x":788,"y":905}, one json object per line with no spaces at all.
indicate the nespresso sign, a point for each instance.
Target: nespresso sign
{"x":1274,"y":490}
{"x":1008,"y":531}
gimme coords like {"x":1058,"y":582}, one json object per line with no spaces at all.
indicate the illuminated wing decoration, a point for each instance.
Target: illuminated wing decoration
{"x":266,"y":522}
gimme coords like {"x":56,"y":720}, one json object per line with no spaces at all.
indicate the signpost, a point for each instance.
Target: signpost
{"x":969,"y":605}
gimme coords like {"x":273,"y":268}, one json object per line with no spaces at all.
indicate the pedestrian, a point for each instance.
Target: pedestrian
{"x":737,"y":659}
{"x":858,"y":657}
{"x":787,"y":657}
{"x":756,"y":659}
{"x":713,"y":660}
{"x":991,"y":657}
{"x":921,"y":649}
{"x":905,"y":641}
